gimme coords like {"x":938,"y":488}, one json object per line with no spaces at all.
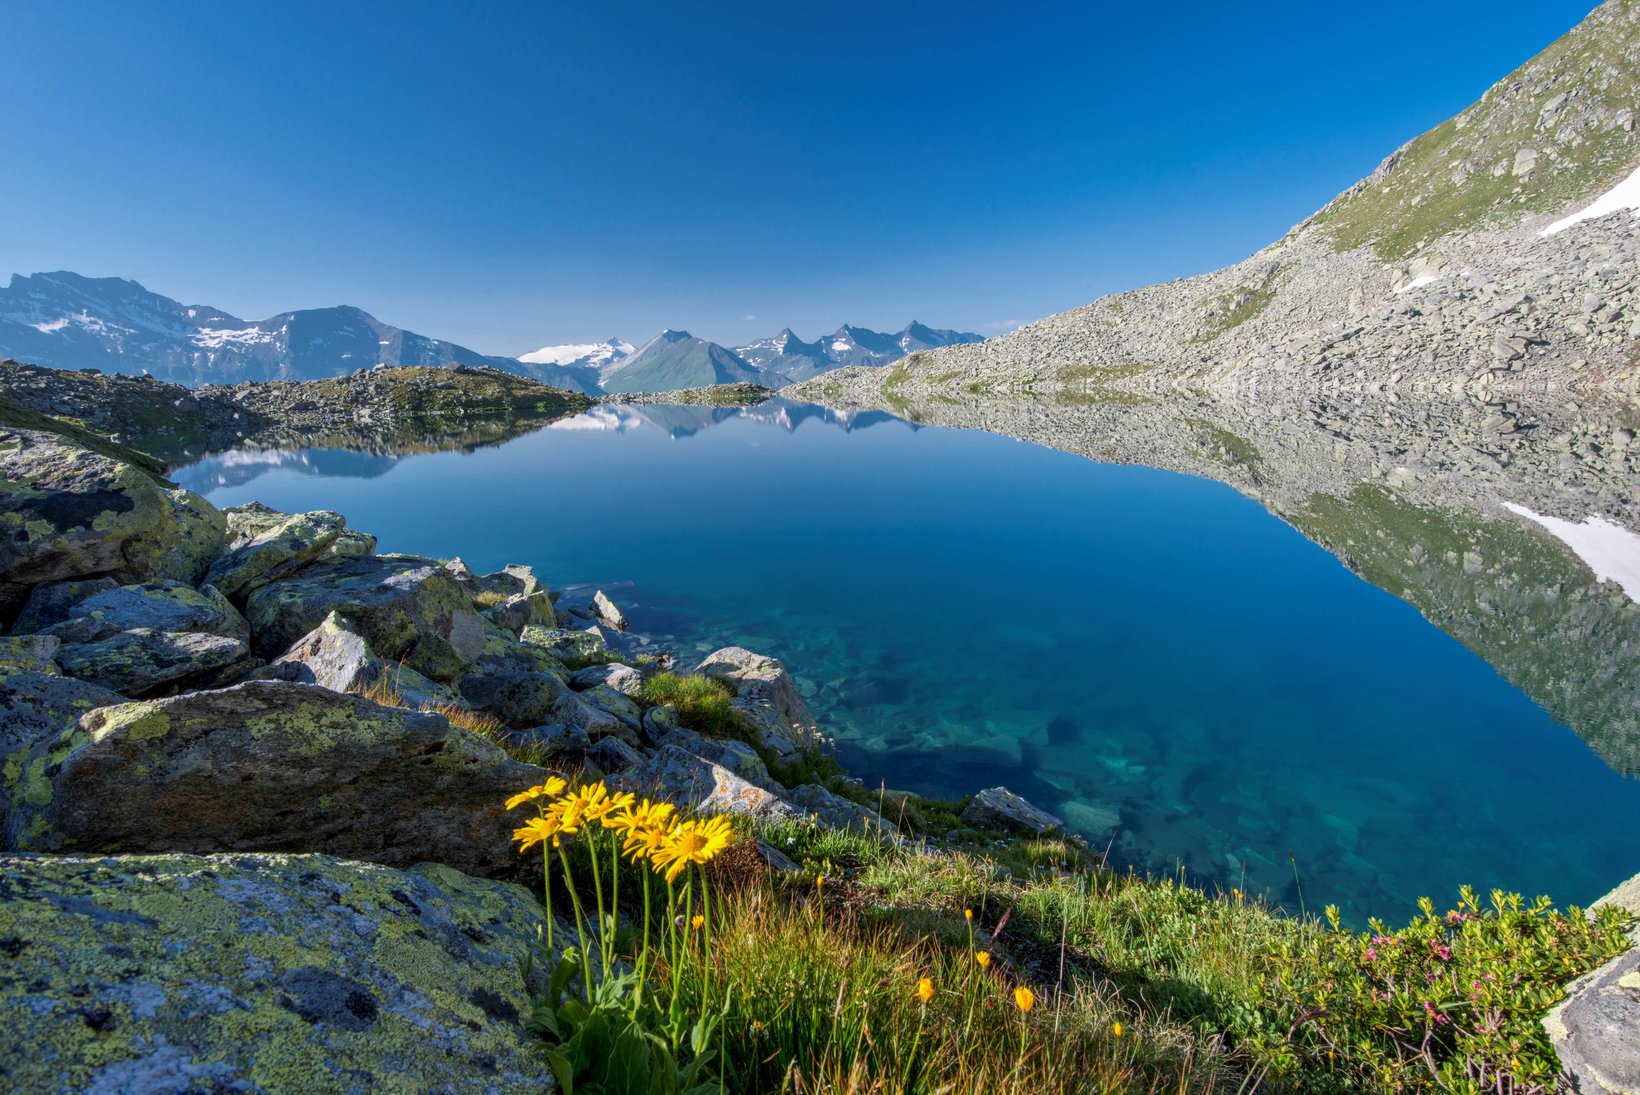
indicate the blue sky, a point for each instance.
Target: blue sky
{"x":509,"y":175}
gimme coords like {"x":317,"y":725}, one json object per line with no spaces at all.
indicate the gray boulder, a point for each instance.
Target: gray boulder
{"x":695,"y":783}
{"x":766,"y":697}
{"x":571,"y":710}
{"x":622,"y":678}
{"x":36,"y":653}
{"x":262,"y":973}
{"x":336,"y":657}
{"x":1000,"y":808}
{"x":276,"y":553}
{"x":616,"y":703}
{"x":272,"y":766}
{"x":554,"y":737}
{"x":613,"y":755}
{"x":605,"y":611}
{"x":67,"y":512}
{"x":565,"y":644}
{"x":519,"y":700}
{"x":736,"y":756}
{"x":401,"y":604}
{"x":143,"y":661}
{"x":658,"y":722}
{"x":1596,"y":1029}
{"x":835,"y":811}
{"x":38,"y":708}
{"x":163,"y":605}
{"x":51,"y":603}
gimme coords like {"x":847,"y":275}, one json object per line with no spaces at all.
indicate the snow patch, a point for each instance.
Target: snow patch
{"x":1625,"y":195}
{"x":840,"y":347}
{"x":1609,"y":549}
{"x":214,"y":338}
{"x":1427,"y":279}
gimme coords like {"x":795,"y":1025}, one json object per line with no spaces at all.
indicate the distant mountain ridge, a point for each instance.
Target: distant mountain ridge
{"x":677,"y":359}
{"x":788,"y":356}
{"x":67,"y":321}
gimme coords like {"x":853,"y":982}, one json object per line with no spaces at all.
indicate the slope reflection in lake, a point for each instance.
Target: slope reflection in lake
{"x":1152,"y":655}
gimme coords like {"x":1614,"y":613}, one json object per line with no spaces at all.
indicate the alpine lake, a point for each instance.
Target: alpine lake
{"x":1190,"y":681}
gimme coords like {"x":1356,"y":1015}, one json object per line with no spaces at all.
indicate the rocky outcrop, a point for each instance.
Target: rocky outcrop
{"x":67,"y":512}
{"x":1000,"y":808}
{"x":262,"y":973}
{"x":1596,"y":1029}
{"x":692,"y":782}
{"x":766,"y":698}
{"x":275,"y":553}
{"x":270,"y":766}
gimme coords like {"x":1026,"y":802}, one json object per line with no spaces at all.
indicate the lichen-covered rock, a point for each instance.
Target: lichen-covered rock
{"x":1596,"y":1030}
{"x":247,"y":522}
{"x":143,"y":661}
{"x":271,"y":766}
{"x":164,"y":605}
{"x":37,"y":707}
{"x":572,"y":710}
{"x":336,"y":657}
{"x":766,"y":697}
{"x":695,"y":783}
{"x":36,"y":653}
{"x":51,"y":603}
{"x":520,"y":700}
{"x":66,"y":512}
{"x":658,"y":722}
{"x":614,"y":702}
{"x":276,"y":553}
{"x":566,"y":644}
{"x":613,"y":755}
{"x":1000,"y":808}
{"x":835,"y":811}
{"x":262,"y":973}
{"x":399,"y":603}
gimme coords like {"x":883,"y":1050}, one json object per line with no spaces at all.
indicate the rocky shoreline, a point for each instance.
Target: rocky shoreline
{"x":253,"y":786}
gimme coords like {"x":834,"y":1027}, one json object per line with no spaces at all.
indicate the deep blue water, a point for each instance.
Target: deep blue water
{"x":1116,"y":643}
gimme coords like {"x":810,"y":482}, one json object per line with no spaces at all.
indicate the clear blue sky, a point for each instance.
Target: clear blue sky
{"x":509,"y":175}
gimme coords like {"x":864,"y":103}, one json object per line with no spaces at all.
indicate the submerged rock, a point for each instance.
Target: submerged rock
{"x":263,"y":973}
{"x":67,"y":512}
{"x":1000,"y":808}
{"x":271,"y":766}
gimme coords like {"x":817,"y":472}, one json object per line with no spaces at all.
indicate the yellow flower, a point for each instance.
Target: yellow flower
{"x":554,"y":786}
{"x":571,"y":812}
{"x":969,"y":913}
{"x":1024,"y":998}
{"x":614,"y":804}
{"x":645,"y":842}
{"x":983,"y":958}
{"x":631,"y":819}
{"x":535,"y":830}
{"x":697,"y":921}
{"x":692,"y":842}
{"x":1117,"y":1029}
{"x":925,"y":989}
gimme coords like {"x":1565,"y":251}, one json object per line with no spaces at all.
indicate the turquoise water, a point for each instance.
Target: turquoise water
{"x":1184,"y":677}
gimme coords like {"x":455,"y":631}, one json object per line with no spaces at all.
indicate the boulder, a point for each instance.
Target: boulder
{"x":143,"y":661}
{"x":763,"y":689}
{"x":1596,"y":1029}
{"x":571,"y":710}
{"x":272,"y":766}
{"x":619,"y":704}
{"x":352,"y":542}
{"x":1000,"y":808}
{"x":1094,"y":823}
{"x":554,"y":738}
{"x":276,"y":553}
{"x":163,"y":605}
{"x":519,"y":700}
{"x":67,"y":512}
{"x":263,"y":973}
{"x":398,"y":603}
{"x":694,"y":783}
{"x":737,"y":756}
{"x":247,"y":522}
{"x":658,"y":722}
{"x":622,"y":678}
{"x":336,"y":657}
{"x":835,"y":811}
{"x":51,"y":602}
{"x":614,"y":755}
{"x":35,"y":708}
{"x":36,"y":653}
{"x":605,"y":611}
{"x":564,"y":644}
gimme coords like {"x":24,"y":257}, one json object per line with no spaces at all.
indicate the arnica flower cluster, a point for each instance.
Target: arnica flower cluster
{"x":650,"y":832}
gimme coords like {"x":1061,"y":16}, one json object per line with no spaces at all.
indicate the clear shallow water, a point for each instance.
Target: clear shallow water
{"x":1116,"y":643}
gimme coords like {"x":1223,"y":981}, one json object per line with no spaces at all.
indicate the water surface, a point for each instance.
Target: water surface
{"x":1182,"y":676}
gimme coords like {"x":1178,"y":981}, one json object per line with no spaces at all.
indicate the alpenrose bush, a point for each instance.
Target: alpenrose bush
{"x":1451,"y":1002}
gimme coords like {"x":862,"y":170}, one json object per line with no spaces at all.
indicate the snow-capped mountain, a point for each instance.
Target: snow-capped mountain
{"x":790,"y":356}
{"x":67,"y":321}
{"x":602,"y":356}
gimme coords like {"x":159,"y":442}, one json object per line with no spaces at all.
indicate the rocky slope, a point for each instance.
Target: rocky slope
{"x":1433,"y":273}
{"x":404,"y":409}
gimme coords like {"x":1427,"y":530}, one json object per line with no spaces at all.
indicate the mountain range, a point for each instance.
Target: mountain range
{"x":67,"y":321}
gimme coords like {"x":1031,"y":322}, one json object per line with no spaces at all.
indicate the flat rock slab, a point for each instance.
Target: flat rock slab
{"x":164,"y":605}
{"x":143,"y":661}
{"x":276,"y":553}
{"x":1596,"y":1030}
{"x":1000,"y":808}
{"x":262,"y":973}
{"x":272,"y":766}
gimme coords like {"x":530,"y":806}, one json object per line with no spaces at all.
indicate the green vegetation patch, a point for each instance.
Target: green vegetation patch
{"x":703,"y":703}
